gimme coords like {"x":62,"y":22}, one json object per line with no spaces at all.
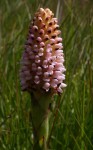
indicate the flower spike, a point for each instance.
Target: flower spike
{"x":43,"y":55}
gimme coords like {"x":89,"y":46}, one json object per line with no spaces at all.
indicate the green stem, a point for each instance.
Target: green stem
{"x":40,"y":142}
{"x":40,"y":120}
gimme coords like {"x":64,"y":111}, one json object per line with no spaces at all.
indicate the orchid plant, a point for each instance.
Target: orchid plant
{"x":42,"y":71}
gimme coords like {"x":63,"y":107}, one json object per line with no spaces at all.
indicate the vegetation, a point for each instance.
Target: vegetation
{"x":72,"y":119}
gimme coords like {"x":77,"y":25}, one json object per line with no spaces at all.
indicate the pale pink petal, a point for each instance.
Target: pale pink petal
{"x":46,"y":86}
{"x":39,"y":39}
{"x":59,"y":89}
{"x":37,"y":80}
{"x":42,"y":44}
{"x":63,"y":85}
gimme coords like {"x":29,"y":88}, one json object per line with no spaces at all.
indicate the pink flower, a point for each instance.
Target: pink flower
{"x":42,"y":61}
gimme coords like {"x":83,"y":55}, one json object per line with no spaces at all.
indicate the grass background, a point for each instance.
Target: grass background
{"x":72,"y":120}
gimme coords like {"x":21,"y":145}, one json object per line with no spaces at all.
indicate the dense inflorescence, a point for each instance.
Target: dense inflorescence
{"x":42,"y":61}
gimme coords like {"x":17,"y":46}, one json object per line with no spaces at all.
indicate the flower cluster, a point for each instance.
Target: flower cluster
{"x":42,"y":61}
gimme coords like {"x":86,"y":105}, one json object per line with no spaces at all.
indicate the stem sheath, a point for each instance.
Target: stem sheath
{"x":40,"y":120}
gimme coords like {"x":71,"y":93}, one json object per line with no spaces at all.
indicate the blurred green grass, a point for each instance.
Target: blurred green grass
{"x":72,"y":120}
